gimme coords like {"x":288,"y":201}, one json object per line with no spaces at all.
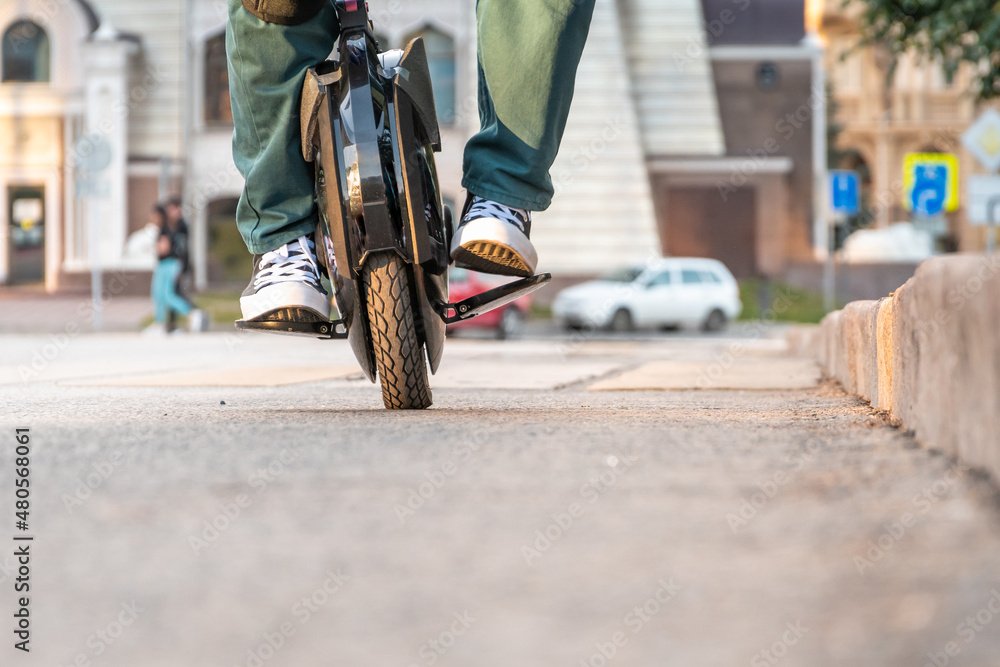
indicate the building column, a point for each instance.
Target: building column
{"x":820,"y":213}
{"x":53,"y":232}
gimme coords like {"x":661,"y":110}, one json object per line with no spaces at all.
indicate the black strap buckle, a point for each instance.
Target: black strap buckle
{"x":352,"y":14}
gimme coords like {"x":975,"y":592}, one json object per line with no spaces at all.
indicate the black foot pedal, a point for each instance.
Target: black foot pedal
{"x":490,"y":299}
{"x":326,"y":330}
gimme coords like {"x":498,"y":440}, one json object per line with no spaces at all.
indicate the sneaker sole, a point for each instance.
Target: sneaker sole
{"x":286,"y":302}
{"x":491,"y":257}
{"x":492,"y":246}
{"x":289,"y":315}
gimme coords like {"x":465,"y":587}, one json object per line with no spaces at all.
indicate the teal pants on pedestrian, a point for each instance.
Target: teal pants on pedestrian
{"x":528,"y":52}
{"x":164,"y":290}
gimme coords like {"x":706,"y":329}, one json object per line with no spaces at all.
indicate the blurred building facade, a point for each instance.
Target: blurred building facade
{"x":694,"y":93}
{"x":691,"y":133}
{"x":881,"y":120}
{"x":108,"y":106}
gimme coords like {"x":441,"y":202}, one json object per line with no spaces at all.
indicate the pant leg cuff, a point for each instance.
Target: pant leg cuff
{"x":278,"y":239}
{"x":537,"y":204}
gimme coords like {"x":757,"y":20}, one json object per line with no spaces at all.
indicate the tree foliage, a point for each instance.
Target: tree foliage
{"x":951,"y":32}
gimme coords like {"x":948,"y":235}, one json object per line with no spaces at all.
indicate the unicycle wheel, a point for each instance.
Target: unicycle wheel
{"x":399,"y":356}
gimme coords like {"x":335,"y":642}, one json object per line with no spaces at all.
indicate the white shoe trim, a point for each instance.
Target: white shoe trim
{"x":492,"y":230}
{"x":285,"y":295}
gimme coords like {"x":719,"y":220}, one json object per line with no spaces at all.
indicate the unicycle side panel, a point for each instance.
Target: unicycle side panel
{"x":340,"y":245}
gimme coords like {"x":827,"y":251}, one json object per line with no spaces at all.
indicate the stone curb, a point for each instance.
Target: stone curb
{"x":929,"y":355}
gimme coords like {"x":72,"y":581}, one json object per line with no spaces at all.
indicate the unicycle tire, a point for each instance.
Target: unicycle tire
{"x":399,"y":356}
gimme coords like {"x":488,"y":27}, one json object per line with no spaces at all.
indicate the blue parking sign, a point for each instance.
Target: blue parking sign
{"x":930,"y":190}
{"x":845,"y":194}
{"x":930,"y":183}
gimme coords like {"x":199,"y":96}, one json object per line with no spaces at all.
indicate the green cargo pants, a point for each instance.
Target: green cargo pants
{"x":528,"y":56}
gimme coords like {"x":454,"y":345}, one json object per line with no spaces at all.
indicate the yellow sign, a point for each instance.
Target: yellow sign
{"x":930,"y":183}
{"x":989,"y":141}
{"x":983,"y":139}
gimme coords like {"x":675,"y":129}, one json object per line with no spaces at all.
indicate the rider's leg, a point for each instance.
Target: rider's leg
{"x":529,"y":51}
{"x":267,"y":65}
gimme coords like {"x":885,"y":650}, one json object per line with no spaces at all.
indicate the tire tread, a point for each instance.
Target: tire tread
{"x":399,"y":356}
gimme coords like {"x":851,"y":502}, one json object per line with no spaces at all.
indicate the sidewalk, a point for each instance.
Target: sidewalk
{"x":626,"y":504}
{"x":245,"y":359}
{"x":31,"y":310}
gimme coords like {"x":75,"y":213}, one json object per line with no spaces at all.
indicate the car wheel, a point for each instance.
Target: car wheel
{"x":511,"y":324}
{"x":621,"y":321}
{"x":716,"y":321}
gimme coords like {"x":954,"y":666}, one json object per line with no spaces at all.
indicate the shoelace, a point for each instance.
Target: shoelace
{"x":292,"y":262}
{"x":484,"y":208}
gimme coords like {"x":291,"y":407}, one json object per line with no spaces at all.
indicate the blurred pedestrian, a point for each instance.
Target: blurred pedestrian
{"x":172,"y":259}
{"x":177,"y":230}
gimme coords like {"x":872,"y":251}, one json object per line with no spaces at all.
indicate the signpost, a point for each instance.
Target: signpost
{"x":845,"y":200}
{"x":983,"y":141}
{"x":94,"y":155}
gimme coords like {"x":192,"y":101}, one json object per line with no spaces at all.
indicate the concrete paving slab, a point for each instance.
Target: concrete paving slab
{"x":753,"y":374}
{"x":77,"y":370}
{"x":47,"y":358}
{"x":532,"y":374}
{"x":254,"y":376}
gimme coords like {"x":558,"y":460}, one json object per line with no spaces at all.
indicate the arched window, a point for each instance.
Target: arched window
{"x":25,"y":52}
{"x":217,"y":108}
{"x":441,"y":61}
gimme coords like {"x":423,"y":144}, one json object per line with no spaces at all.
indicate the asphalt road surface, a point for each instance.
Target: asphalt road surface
{"x":226,"y":500}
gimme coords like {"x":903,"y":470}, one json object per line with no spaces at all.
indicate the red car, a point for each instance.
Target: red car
{"x":508,"y":321}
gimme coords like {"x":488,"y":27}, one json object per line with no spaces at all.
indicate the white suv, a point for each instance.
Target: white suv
{"x":676,"y":291}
